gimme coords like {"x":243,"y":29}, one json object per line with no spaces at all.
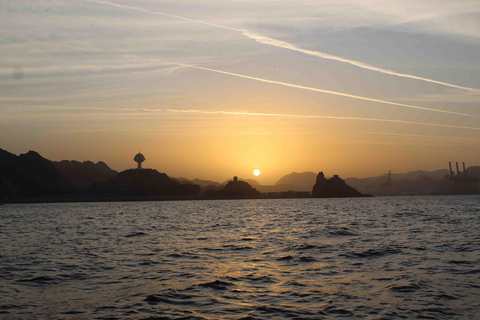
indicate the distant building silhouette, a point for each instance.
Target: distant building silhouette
{"x":139,"y":158}
{"x":386,"y":188}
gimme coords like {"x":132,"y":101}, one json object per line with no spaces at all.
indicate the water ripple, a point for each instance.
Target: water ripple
{"x":373,"y":258}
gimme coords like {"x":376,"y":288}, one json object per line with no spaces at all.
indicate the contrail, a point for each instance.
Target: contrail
{"x":282,"y":115}
{"x":289,"y":46}
{"x":164,"y":14}
{"x":277,"y":115}
{"x":291,"y":85}
{"x":419,"y":135}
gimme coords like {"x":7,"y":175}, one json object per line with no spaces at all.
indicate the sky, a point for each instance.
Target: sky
{"x":215,"y":89}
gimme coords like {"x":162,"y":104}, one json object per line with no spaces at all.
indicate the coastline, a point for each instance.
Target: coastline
{"x":143,"y":198}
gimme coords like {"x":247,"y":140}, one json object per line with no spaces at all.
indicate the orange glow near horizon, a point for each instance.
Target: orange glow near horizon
{"x":211,"y":96}
{"x":217,"y":147}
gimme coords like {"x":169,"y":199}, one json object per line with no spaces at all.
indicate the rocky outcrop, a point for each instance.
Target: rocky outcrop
{"x":333,"y":188}
{"x":235,"y":189}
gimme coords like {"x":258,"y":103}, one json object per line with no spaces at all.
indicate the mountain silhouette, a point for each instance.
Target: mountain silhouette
{"x":30,"y":175}
{"x":200,"y":182}
{"x":298,"y":181}
{"x":146,"y":182}
{"x":474,"y":171}
{"x":84,"y":175}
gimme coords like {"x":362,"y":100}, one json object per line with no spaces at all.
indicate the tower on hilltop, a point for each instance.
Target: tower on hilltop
{"x":139,"y":158}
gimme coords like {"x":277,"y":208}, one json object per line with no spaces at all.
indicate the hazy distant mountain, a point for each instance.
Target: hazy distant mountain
{"x":415,"y":182}
{"x":200,"y":182}
{"x":474,"y":171}
{"x":30,"y":175}
{"x":300,"y":181}
{"x":84,"y":174}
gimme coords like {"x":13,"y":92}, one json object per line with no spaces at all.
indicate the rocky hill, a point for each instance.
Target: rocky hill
{"x":30,"y":175}
{"x":146,"y":182}
{"x":333,"y":188}
{"x":235,"y":189}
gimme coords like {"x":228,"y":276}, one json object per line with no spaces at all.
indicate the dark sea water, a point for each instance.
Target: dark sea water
{"x":370,"y":258}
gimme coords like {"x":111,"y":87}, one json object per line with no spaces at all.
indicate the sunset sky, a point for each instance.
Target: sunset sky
{"x":213,"y":89}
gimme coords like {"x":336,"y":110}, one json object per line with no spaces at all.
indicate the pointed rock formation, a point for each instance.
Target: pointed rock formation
{"x":333,"y":188}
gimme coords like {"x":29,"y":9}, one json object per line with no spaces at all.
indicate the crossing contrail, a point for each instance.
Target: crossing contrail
{"x":289,"y":46}
{"x":291,"y":85}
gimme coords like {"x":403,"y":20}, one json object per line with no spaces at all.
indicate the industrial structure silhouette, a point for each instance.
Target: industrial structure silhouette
{"x":461,"y":182}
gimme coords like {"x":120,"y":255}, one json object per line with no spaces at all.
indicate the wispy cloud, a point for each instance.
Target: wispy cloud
{"x":285,"y":45}
{"x":121,"y":67}
{"x":444,"y":16}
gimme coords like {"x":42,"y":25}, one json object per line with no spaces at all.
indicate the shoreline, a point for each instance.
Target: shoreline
{"x":81,"y":199}
{"x":144,"y":198}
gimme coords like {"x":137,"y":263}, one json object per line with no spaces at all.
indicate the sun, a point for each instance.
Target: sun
{"x":256,"y":172}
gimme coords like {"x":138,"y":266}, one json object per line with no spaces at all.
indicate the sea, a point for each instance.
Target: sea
{"x":355,"y":258}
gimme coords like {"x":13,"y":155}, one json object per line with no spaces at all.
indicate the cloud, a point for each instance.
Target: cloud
{"x":443,"y":16}
{"x":285,"y":45}
{"x":102,"y":69}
